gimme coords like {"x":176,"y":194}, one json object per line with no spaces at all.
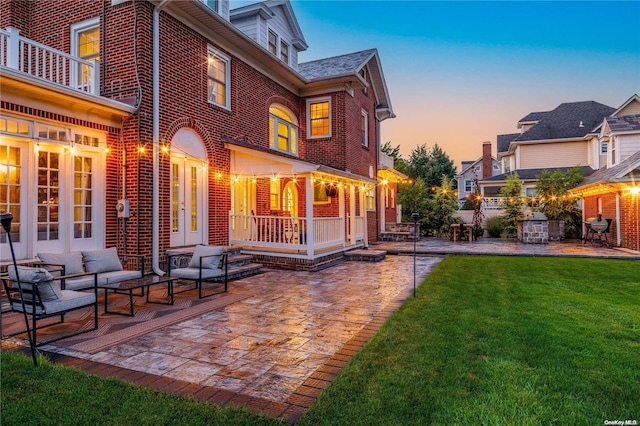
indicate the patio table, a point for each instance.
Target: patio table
{"x":129,"y":286}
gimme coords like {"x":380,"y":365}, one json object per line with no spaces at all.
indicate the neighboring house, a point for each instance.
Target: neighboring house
{"x":614,"y":190}
{"x":198,"y":120}
{"x":559,"y":139}
{"x":483,"y":168}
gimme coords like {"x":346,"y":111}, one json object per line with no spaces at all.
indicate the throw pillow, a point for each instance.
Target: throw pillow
{"x":207,"y":262}
{"x":102,"y":260}
{"x":72,"y":261}
{"x":47,"y":288}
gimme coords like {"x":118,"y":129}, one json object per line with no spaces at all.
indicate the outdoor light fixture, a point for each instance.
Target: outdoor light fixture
{"x":6,"y":219}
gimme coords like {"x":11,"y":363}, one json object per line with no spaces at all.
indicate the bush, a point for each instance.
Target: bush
{"x":495,"y":226}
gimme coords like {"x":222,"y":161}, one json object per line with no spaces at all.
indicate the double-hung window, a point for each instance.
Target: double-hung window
{"x":283,"y":129}
{"x":364,"y":124}
{"x":219,"y":82}
{"x":273,"y":43}
{"x":370,"y":199}
{"x":284,"y":52}
{"x":467,"y":185}
{"x":319,"y":118}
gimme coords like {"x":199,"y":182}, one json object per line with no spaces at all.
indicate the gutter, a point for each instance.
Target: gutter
{"x":155,"y":233}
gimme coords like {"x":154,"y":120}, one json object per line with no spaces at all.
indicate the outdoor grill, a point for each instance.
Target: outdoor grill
{"x":597,"y":226}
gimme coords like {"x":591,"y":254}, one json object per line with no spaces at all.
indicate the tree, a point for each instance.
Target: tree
{"x":442,"y":204}
{"x":413,"y":198}
{"x":430,"y":165}
{"x":512,"y":204}
{"x":555,"y":202}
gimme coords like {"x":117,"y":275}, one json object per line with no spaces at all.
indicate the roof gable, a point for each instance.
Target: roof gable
{"x":631,"y":106}
{"x":347,"y":67}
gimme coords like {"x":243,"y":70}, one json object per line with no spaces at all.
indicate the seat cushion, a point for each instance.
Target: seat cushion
{"x":80,"y":283}
{"x":102,"y":260}
{"x":72,"y":261}
{"x":117,"y":276}
{"x":47,"y":288}
{"x":70,"y":300}
{"x":208,"y":262}
{"x":194,"y":273}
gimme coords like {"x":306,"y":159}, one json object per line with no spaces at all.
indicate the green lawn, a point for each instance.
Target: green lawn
{"x":487,"y":340}
{"x":501,"y":340}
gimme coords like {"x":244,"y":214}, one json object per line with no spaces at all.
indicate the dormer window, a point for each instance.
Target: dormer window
{"x":604,"y":147}
{"x":273,"y":43}
{"x":284,"y":52}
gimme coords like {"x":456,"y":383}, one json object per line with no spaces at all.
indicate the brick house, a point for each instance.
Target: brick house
{"x":152,"y":125}
{"x":614,"y":190}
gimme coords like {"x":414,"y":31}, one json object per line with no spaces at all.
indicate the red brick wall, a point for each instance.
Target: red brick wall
{"x":590,"y":210}
{"x":183,"y":103}
{"x":630,"y":220}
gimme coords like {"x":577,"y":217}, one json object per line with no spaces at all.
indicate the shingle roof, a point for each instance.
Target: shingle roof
{"x":568,"y":120}
{"x":624,"y":123}
{"x":607,"y":174}
{"x":532,"y":174}
{"x":534,"y":116}
{"x":335,"y":66}
{"x":505,"y":140}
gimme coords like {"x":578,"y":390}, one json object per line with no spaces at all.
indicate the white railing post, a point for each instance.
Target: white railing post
{"x":13,"y":48}
{"x":95,"y":77}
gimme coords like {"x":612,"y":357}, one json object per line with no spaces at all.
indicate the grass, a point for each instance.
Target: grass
{"x":501,"y":340}
{"x":487,"y":340}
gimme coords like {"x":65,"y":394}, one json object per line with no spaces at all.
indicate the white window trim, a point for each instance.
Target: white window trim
{"x":370,"y":200}
{"x":365,"y":115}
{"x":75,"y":29}
{"x":315,"y":101}
{"x":604,"y":147}
{"x":227,"y":60}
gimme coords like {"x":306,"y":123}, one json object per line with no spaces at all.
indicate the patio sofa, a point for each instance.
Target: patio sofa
{"x":106,"y":263}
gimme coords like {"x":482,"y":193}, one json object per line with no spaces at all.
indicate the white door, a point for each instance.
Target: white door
{"x":187,"y":202}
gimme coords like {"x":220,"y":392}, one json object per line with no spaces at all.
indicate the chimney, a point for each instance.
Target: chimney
{"x":486,"y":160}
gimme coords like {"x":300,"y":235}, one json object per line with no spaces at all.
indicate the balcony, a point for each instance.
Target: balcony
{"x":46,"y":64}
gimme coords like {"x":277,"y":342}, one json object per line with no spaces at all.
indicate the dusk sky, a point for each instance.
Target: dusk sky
{"x":459,"y":73}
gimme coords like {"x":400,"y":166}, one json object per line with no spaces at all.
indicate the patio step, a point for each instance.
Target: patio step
{"x":366,"y":255}
{"x":240,"y":265}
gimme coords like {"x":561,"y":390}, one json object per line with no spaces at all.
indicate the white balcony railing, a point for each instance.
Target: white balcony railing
{"x":43,"y":62}
{"x":385,"y":160}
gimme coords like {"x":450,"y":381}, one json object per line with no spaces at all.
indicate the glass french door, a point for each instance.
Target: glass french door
{"x":187,"y":202}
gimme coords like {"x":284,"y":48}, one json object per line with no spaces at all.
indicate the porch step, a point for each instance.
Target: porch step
{"x":366,"y":255}
{"x":240,"y":265}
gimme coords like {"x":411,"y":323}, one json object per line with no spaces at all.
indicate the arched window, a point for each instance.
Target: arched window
{"x":283,"y":129}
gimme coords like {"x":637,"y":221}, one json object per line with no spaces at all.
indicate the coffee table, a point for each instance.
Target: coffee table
{"x":137,"y":283}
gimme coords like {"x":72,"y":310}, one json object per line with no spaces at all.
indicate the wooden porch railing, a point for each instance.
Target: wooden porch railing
{"x":40,"y":61}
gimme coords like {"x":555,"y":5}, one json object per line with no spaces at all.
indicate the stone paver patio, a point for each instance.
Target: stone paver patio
{"x":276,"y":349}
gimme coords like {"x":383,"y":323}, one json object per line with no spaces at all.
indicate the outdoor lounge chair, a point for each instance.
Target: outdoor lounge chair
{"x":43,"y":298}
{"x":207,"y":264}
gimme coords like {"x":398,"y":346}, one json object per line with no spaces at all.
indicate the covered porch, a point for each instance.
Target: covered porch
{"x":291,"y":209}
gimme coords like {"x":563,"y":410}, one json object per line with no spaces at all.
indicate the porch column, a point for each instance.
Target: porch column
{"x":363,"y":207}
{"x":381,"y":208}
{"x":352,"y":215}
{"x":341,"y":213}
{"x":309,"y":215}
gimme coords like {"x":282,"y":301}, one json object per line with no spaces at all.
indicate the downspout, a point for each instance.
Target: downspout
{"x":155,"y":233}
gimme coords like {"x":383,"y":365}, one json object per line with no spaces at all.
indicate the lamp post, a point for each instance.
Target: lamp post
{"x":415,"y":217}
{"x":5,"y":220}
